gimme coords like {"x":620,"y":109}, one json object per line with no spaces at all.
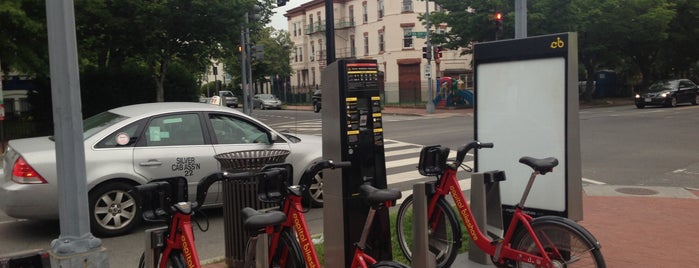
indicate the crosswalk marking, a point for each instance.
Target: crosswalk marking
{"x":408,"y":154}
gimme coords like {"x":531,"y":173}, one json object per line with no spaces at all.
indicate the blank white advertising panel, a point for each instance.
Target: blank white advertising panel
{"x":521,"y":109}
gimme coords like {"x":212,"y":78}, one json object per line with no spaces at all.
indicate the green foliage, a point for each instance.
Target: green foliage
{"x":277,"y":50}
{"x":23,"y":41}
{"x":103,"y":89}
{"x":646,"y":39}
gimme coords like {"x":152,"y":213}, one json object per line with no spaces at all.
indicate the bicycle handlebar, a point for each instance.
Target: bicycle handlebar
{"x":318,"y":166}
{"x":461,"y":152}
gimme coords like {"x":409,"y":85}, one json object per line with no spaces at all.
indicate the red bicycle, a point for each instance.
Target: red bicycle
{"x":547,"y":241}
{"x":288,"y":225}
{"x":173,"y":245}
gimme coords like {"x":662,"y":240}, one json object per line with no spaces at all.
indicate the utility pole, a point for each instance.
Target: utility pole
{"x":329,"y":32}
{"x":520,"y":19}
{"x":243,"y":68}
{"x":75,"y":246}
{"x":428,"y":68}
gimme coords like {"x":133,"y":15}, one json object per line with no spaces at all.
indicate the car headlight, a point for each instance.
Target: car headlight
{"x":638,"y":96}
{"x":664,"y":95}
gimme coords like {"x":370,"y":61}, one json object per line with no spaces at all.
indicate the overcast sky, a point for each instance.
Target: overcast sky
{"x":278,"y":20}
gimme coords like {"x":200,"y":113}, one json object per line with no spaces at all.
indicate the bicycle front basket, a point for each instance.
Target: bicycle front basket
{"x":433,"y":160}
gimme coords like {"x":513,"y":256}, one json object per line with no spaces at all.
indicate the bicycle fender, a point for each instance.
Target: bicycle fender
{"x":570,"y":223}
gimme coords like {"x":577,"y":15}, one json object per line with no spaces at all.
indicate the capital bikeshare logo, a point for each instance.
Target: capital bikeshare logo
{"x":558,"y":43}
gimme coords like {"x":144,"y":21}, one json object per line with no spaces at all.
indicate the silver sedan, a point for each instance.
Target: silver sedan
{"x":132,"y":145}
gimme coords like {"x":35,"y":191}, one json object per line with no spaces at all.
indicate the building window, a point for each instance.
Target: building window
{"x":366,"y":44}
{"x":381,"y":42}
{"x":407,"y":37}
{"x":295,"y":28}
{"x":313,"y":75}
{"x":380,"y":8}
{"x":353,"y":48}
{"x":313,"y":51}
{"x":300,"y":53}
{"x":407,"y":6}
{"x":351,"y":15}
{"x":310,"y":24}
{"x":365,"y":13}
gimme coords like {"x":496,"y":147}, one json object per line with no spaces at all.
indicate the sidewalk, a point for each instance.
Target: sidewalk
{"x":636,"y":226}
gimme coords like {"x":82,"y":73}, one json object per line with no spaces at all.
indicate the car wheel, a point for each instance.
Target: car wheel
{"x":695,"y":100}
{"x":640,"y":105}
{"x":673,"y":101}
{"x":113,"y":209}
{"x":316,"y":107}
{"x":314,"y":193}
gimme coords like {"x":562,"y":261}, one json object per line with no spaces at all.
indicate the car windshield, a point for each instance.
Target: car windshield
{"x":267,"y":97}
{"x":98,"y":122}
{"x":663,"y":85}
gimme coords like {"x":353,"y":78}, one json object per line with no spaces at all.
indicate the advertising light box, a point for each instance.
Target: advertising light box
{"x":526,"y":103}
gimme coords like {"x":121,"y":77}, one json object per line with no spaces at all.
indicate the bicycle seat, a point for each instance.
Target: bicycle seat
{"x":254,"y":220}
{"x":542,"y":165}
{"x":378,"y":196}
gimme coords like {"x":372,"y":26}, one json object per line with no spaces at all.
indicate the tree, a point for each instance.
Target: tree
{"x":23,"y":41}
{"x":680,"y":52}
{"x":277,"y":50}
{"x":159,"y":32}
{"x":469,"y":21}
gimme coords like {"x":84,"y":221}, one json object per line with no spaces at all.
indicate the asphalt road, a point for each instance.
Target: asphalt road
{"x":620,"y":146}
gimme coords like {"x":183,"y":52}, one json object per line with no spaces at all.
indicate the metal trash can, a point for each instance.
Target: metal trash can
{"x":238,"y":194}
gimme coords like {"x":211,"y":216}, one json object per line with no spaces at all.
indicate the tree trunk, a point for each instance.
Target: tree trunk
{"x":159,"y":78}
{"x":590,"y":78}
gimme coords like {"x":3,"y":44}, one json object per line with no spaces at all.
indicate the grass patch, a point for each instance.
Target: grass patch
{"x":397,"y":253}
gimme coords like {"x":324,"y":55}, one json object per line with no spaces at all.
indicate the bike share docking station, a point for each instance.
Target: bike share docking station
{"x":526,"y":103}
{"x":352,"y":131}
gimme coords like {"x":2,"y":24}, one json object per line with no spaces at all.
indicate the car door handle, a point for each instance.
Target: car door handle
{"x":151,"y":163}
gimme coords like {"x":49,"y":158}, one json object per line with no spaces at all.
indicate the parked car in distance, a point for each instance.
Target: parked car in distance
{"x":668,"y":93}
{"x":228,"y":98}
{"x":317,"y":101}
{"x":266,"y":101}
{"x":131,"y":145}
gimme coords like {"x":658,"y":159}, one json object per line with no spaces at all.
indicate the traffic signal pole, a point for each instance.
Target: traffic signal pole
{"x":429,"y":108}
{"x":520,"y":19}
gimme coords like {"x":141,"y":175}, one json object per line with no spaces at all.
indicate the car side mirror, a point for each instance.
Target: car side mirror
{"x":273,"y":137}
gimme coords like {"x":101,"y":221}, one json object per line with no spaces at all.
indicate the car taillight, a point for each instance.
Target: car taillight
{"x":25,"y":174}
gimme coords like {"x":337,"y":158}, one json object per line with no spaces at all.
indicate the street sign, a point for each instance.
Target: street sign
{"x":428,"y":70}
{"x":419,"y":34}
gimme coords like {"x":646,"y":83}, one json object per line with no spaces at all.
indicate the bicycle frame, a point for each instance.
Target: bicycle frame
{"x":181,"y":238}
{"x":297,"y":220}
{"x":448,"y":184}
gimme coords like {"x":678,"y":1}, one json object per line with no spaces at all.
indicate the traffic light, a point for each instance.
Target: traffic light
{"x":437,"y":52}
{"x":281,"y":3}
{"x":498,"y":21}
{"x":257,"y":52}
{"x":426,"y":53}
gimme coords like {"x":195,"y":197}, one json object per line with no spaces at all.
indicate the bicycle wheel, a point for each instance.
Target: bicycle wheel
{"x":444,"y":235}
{"x":176,"y":260}
{"x":288,"y":252}
{"x":565,"y":242}
{"x":388,"y":264}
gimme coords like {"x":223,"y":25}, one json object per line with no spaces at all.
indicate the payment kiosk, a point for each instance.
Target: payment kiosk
{"x":352,"y":131}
